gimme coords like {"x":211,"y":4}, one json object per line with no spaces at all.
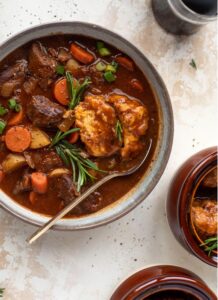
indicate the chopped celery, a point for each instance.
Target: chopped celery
{"x":60,"y":70}
{"x":110,"y":68}
{"x":109,"y":76}
{"x":3,"y":110}
{"x":104,"y":52}
{"x":2,"y":126}
{"x":100,"y":66}
{"x":99,"y":45}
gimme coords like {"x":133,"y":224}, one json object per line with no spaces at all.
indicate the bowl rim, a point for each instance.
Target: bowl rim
{"x":156,"y":278}
{"x":163,"y":148}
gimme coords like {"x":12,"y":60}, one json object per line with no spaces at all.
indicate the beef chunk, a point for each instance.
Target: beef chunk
{"x":43,"y":160}
{"x":43,"y":112}
{"x":41,"y":63}
{"x":12,"y":78}
{"x":30,"y":85}
{"x":92,"y":203}
{"x":53,"y":52}
{"x":97,"y":120}
{"x":63,"y":187}
{"x":23,"y":184}
{"x":64,"y":55}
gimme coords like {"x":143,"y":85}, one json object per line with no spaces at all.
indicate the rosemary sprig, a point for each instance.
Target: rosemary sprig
{"x":119,"y":131}
{"x":75,"y":90}
{"x":61,"y":135}
{"x":72,"y":157}
{"x":210,"y":244}
{"x":1,"y":292}
{"x":193,"y":64}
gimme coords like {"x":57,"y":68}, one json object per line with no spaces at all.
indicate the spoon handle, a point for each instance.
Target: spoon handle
{"x":68,"y":208}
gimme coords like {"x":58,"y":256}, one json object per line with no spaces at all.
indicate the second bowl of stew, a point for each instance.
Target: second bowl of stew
{"x":76,"y":102}
{"x":192,"y":205}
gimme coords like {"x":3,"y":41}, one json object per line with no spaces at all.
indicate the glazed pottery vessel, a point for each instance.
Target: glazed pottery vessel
{"x":180,"y":197}
{"x":166,"y":280}
{"x":163,"y":148}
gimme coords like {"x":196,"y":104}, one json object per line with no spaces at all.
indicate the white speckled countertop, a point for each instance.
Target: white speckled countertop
{"x":88,"y":265}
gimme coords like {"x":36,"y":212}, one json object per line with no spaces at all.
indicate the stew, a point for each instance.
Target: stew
{"x":204,"y":211}
{"x":72,"y":109}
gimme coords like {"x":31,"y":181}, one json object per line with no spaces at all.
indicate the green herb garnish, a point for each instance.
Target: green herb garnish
{"x":13,"y":105}
{"x":193,"y":64}
{"x":112,"y":67}
{"x":109,"y":76}
{"x":2,"y":126}
{"x":99,"y":45}
{"x":100,"y":66}
{"x":75,"y":90}
{"x":102,"y":50}
{"x":72,"y":157}
{"x":60,"y":69}
{"x":61,"y":135}
{"x":210,"y":245}
{"x":119,"y":131}
{"x":1,"y":292}
{"x":3,"y":110}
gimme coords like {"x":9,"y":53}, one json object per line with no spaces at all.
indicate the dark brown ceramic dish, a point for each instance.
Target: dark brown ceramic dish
{"x":163,"y":282}
{"x":180,"y":196}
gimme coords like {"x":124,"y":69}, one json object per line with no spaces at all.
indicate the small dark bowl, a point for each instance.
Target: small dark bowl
{"x":180,"y":196}
{"x":158,"y":279}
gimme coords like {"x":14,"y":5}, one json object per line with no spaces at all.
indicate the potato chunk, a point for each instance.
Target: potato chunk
{"x":39,"y":138}
{"x":59,"y":172}
{"x":13,"y":162}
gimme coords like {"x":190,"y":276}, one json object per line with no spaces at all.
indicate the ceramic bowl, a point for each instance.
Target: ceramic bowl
{"x":180,"y":197}
{"x":163,"y":148}
{"x":153,"y":282}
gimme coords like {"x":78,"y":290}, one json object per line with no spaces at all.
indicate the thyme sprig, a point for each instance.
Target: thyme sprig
{"x":119,"y":131}
{"x":75,"y":90}
{"x":210,"y":245}
{"x":72,"y":157}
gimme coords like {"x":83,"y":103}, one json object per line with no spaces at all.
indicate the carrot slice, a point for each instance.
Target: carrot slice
{"x":39,"y":182}
{"x":81,"y":54}
{"x":32,"y":197}
{"x":125,"y":62}
{"x":74,"y":136}
{"x":61,"y":91}
{"x":18,"y":138}
{"x":136,"y":84}
{"x":17,"y":118}
{"x":1,"y":175}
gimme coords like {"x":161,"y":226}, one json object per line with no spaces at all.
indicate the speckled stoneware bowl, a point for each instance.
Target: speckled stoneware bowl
{"x":164,"y":144}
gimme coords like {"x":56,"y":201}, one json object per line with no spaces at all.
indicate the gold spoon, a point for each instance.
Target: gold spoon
{"x":79,"y":199}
